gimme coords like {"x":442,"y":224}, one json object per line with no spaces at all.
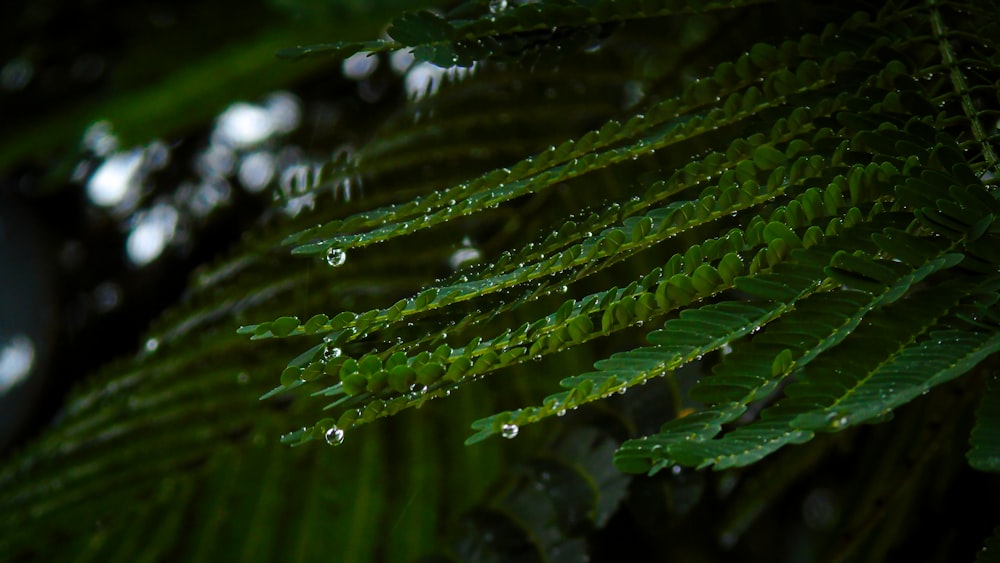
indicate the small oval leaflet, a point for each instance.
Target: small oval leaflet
{"x":336,"y":257}
{"x":334,"y":436}
{"x":509,"y":430}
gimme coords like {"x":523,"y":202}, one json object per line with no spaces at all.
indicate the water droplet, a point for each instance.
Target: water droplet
{"x":418,"y":388}
{"x":676,"y":470}
{"x":334,"y":436}
{"x":336,"y":257}
{"x":331,"y":353}
{"x":509,"y":431}
{"x":562,"y":412}
{"x":152,"y":344}
{"x":242,"y":377}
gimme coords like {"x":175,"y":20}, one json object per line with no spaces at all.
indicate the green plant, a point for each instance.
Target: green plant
{"x":800,"y":241}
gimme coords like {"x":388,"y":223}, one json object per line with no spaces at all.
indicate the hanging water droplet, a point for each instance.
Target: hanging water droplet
{"x":152,"y":344}
{"x":509,"y":430}
{"x":562,"y":412}
{"x":497,"y":6}
{"x":331,"y":353}
{"x":676,"y":470}
{"x":334,"y":436}
{"x":336,"y":257}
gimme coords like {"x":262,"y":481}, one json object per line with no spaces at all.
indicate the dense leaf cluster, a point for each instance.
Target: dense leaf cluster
{"x":801,"y":240}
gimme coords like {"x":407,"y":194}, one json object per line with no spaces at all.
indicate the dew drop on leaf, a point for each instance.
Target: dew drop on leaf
{"x":336,"y":257}
{"x":509,"y":430}
{"x":334,"y":436}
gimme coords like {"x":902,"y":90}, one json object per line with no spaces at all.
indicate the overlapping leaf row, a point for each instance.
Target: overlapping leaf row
{"x":751,"y":100}
{"x":904,"y":347}
{"x":620,"y":308}
{"x":761,"y":155}
{"x":764,"y":155}
{"x":612,"y":242}
{"x":586,"y":256}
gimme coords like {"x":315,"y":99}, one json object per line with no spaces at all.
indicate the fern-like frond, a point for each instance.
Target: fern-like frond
{"x":801,"y":240}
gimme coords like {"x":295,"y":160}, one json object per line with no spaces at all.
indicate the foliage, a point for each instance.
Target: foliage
{"x":797,"y":243}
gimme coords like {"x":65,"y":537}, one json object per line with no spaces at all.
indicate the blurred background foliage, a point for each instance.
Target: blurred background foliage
{"x":130,"y":292}
{"x":85,"y":82}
